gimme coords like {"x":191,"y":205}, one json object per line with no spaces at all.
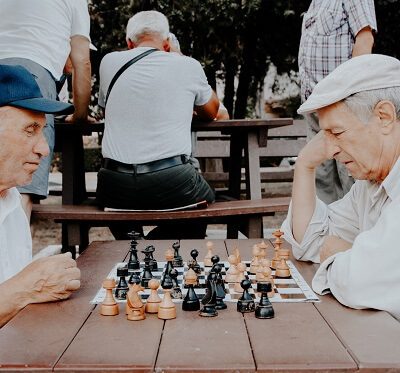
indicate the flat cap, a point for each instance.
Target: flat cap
{"x":362,"y":73}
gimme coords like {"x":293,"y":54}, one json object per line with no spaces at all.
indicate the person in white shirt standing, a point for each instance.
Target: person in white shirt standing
{"x":40,"y":35}
{"x":355,"y":238}
{"x":22,"y":146}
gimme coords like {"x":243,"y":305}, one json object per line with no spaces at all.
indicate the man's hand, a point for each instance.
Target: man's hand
{"x":333,"y":245}
{"x":49,"y":279}
{"x":315,"y":152}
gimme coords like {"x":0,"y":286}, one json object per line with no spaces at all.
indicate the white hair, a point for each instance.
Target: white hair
{"x":362,"y":104}
{"x":145,"y":23}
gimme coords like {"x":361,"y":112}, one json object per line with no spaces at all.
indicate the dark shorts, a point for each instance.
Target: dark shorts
{"x":172,"y":187}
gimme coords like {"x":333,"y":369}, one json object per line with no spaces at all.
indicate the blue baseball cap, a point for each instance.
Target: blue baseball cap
{"x":18,"y":88}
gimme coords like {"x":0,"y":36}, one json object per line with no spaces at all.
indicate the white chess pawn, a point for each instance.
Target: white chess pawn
{"x":241,"y":268}
{"x":154,"y":300}
{"x":232,"y":271}
{"x":255,"y":261}
{"x":207,"y":258}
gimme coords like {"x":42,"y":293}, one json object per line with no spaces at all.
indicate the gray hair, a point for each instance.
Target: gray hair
{"x":363,"y":103}
{"x":145,"y":23}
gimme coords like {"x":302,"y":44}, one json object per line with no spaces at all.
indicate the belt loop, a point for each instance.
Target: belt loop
{"x":135,"y":170}
{"x":183,"y":159}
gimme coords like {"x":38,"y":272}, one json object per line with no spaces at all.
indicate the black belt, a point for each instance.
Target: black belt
{"x":143,"y":168}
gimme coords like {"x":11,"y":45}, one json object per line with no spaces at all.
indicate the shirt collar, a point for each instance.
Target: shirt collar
{"x":391,"y":184}
{"x":9,"y":203}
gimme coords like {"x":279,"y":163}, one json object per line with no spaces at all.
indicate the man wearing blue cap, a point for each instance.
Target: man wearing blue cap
{"x":356,"y":238}
{"x":22,"y":146}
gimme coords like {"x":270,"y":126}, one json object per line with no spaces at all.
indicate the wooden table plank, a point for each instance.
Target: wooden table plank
{"x":40,"y":333}
{"x":371,"y":337}
{"x":297,"y":339}
{"x":191,"y":343}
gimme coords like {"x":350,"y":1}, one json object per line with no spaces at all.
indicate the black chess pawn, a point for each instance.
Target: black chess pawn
{"x":220,"y":288}
{"x":133,"y":263}
{"x":134,"y":278}
{"x":264,"y":308}
{"x":214,"y":261}
{"x":195,"y":265}
{"x":210,"y":299}
{"x":191,"y":301}
{"x":147,"y":275}
{"x":122,"y":287}
{"x":178,"y":261}
{"x":176,"y":290}
{"x":245,"y":302}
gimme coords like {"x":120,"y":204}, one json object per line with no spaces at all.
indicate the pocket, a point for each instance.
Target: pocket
{"x":329,"y":19}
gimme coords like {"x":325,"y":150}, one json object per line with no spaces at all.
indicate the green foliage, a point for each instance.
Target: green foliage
{"x":235,"y":40}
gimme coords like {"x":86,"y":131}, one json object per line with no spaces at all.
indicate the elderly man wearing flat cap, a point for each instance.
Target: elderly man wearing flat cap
{"x":356,"y":238}
{"x":22,"y":145}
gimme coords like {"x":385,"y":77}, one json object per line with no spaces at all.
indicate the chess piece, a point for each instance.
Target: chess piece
{"x":109,"y":307}
{"x":245,"y":302}
{"x":122,"y":287}
{"x":214,"y":261}
{"x":241,"y":276}
{"x":264,"y":308}
{"x":255,"y":261}
{"x":154,"y":300}
{"x":147,"y":275}
{"x":176,"y":292}
{"x":219,"y":288}
{"x":232,"y":271}
{"x":191,"y":301}
{"x":284,"y":253}
{"x":276,"y":259}
{"x":134,"y":279}
{"x":166,"y":277}
{"x":167,"y":308}
{"x":193,"y":262}
{"x":133,"y":263}
{"x":207,"y":258}
{"x":153,"y":263}
{"x":177,"y":262}
{"x":210,"y":299}
{"x":263,"y":249}
{"x":277,"y":234}
{"x":134,"y":304}
{"x":237,"y":254}
{"x":282,"y":269}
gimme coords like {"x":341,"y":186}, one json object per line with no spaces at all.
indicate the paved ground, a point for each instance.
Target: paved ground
{"x":47,"y":234}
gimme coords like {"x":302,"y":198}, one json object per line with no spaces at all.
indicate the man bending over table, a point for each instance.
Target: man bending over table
{"x":148,"y":114}
{"x":22,"y":145}
{"x":356,"y":238}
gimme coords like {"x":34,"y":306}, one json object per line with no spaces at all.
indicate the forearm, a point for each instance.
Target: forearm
{"x":12,"y":300}
{"x":81,"y":90}
{"x":303,"y":199}
{"x":364,"y":42}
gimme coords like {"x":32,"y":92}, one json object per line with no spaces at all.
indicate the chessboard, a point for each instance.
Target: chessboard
{"x":292,"y":289}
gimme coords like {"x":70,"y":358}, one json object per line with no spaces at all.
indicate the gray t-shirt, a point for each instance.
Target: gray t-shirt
{"x":150,"y":108}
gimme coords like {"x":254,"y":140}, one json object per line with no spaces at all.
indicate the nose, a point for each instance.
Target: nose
{"x":332,"y":148}
{"x":41,"y":147}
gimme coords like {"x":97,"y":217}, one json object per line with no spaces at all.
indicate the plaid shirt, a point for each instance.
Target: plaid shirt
{"x":328,"y":34}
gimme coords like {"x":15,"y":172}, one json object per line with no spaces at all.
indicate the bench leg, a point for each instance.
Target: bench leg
{"x":232,"y":230}
{"x":255,"y":228}
{"x":74,"y":234}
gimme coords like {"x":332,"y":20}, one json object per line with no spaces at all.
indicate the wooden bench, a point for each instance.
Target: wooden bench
{"x":283,"y":142}
{"x":243,"y":215}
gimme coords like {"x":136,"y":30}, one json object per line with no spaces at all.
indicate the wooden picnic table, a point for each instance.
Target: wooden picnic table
{"x":247,"y":137}
{"x":303,"y":337}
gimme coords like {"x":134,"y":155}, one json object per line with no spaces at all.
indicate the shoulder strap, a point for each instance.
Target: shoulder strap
{"x":123,"y":68}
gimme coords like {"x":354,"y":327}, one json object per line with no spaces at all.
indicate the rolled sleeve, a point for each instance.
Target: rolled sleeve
{"x":81,"y":20}
{"x":360,"y":14}
{"x":308,"y":249}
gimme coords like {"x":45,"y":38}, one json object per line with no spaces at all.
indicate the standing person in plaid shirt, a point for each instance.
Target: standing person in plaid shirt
{"x":333,"y":31}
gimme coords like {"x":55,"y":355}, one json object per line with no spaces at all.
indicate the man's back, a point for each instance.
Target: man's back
{"x":149,"y":110}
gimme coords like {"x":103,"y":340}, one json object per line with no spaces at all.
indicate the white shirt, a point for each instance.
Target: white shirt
{"x":149,"y":111}
{"x":41,"y":30}
{"x":15,"y":236}
{"x":367,"y":275}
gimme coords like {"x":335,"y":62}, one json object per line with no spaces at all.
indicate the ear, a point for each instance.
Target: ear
{"x":386,"y":113}
{"x":130,"y":44}
{"x":166,"y":45}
